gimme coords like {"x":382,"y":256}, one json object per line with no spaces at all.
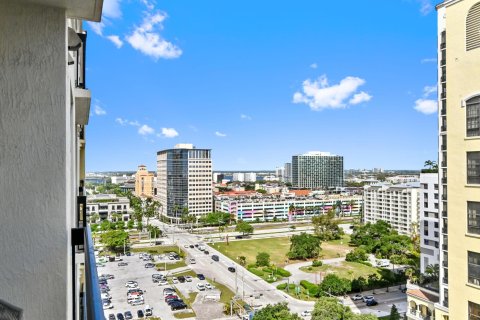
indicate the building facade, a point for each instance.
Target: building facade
{"x":429,"y":221}
{"x":395,"y":204}
{"x":106,"y":205}
{"x":269,"y":208}
{"x":459,"y":156}
{"x":144,"y":183}
{"x":184,"y":181}
{"x":317,"y":170}
{"x":288,"y":172}
{"x":44,"y":107}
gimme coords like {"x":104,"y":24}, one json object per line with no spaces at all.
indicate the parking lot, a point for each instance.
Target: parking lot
{"x":152,"y":292}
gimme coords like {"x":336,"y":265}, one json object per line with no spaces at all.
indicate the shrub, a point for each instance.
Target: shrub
{"x":256,"y":272}
{"x":357,"y":255}
{"x":263,"y":259}
{"x":317,"y":263}
{"x":310,"y":287}
{"x":283,"y":273}
{"x":282,"y":286}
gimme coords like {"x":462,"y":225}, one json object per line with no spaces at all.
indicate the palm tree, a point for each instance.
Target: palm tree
{"x":151,"y":209}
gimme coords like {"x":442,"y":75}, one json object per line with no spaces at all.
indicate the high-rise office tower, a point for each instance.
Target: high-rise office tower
{"x":288,"y":172}
{"x":459,"y":155}
{"x":316,"y":169}
{"x":184,"y":181}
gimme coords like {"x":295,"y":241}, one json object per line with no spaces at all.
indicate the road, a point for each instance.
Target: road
{"x":253,"y":289}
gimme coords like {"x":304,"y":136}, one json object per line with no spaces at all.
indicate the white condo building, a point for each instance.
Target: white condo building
{"x":429,"y":221}
{"x":395,"y":204}
{"x":250,"y":177}
{"x":238,"y":176}
{"x":105,"y":205}
{"x":184,"y":181}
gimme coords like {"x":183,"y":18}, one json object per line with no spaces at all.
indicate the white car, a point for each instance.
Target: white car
{"x":208,"y":286}
{"x":192,"y":261}
{"x":306,"y":313}
{"x":201,"y":286}
{"x":148,"y":310}
{"x":188,"y":278}
{"x":163,"y":283}
{"x":137,"y":302}
{"x":367,"y":298}
{"x":131,"y":284}
{"x":175,"y":280}
{"x":107,"y":305}
{"x":357,"y":297}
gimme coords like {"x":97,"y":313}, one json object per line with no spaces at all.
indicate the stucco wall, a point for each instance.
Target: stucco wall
{"x":34,"y":168}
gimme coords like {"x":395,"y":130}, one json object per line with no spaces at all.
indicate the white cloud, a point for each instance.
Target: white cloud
{"x":145,"y":39}
{"x":134,"y":123}
{"x":97,"y":27}
{"x":169,"y":132}
{"x":245,"y":117}
{"x":428,"y":60}
{"x":145,"y":130}
{"x":149,"y":5}
{"x":116,"y":41}
{"x":111,"y":9}
{"x":426,"y":106}
{"x":425,"y":7}
{"x":219,"y":134}
{"x":428,"y":90}
{"x":318,"y":94}
{"x":314,"y":66}
{"x":99,"y":111}
{"x":360,"y":97}
{"x":121,"y":121}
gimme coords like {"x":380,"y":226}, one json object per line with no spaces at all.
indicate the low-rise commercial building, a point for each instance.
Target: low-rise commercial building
{"x":105,"y":205}
{"x":253,"y":206}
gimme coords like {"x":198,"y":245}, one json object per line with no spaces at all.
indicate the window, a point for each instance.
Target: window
{"x":473,"y":217}
{"x":473,"y":117}
{"x":473,"y":311}
{"x":474,"y":268}
{"x":471,"y":30}
{"x":473,"y":167}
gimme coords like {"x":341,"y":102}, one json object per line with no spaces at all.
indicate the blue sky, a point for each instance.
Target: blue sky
{"x":260,"y":81}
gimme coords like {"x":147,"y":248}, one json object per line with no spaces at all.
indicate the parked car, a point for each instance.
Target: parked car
{"x":188,"y":278}
{"x":404,"y":290}
{"x":208,"y":286}
{"x":372,"y":302}
{"x":170,"y":297}
{"x":107,"y":304}
{"x":201,"y":286}
{"x":178,"y":306}
{"x":131,"y":284}
{"x":215,"y":258}
{"x":192,"y":246}
{"x":231,"y":269}
{"x":175,"y":280}
{"x":200,"y":276}
{"x":137,"y":302}
{"x":192,"y":261}
{"x":122,"y":264}
{"x":181,"y":279}
{"x":174,"y":301}
{"x":163,"y":283}
{"x":185,"y":246}
{"x":128,"y":315}
{"x":306,"y":313}
{"x":206,"y":251}
{"x":357,"y":297}
{"x":366,"y":298}
{"x":239,"y":237}
{"x":148,"y":311}
{"x":150,"y":265}
{"x":140,"y":313}
{"x":120,"y":316}
{"x":111,"y":316}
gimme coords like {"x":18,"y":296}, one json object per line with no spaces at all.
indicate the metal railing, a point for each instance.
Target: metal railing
{"x":92,"y":297}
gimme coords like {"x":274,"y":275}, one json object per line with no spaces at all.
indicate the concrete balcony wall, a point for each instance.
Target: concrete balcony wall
{"x":37,"y":158}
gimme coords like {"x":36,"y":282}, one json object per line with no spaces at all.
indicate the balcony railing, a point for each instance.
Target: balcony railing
{"x":444,"y":247}
{"x":93,"y":301}
{"x":444,"y":180}
{"x":445,"y":280}
{"x":444,"y":164}
{"x":443,"y":62}
{"x":443,"y":78}
{"x":444,"y":197}
{"x":443,"y":95}
{"x":443,"y":45}
{"x":444,"y":214}
{"x":443,"y":128}
{"x":445,"y":263}
{"x":444,"y":147}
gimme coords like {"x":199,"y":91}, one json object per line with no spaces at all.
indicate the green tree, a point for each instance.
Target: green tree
{"x":244,"y":227}
{"x":335,"y":285}
{"x":216,"y":218}
{"x":242,"y":260}
{"x":263,"y":259}
{"x":304,"y":246}
{"x":130,"y":224}
{"x":151,"y":209}
{"x":277,"y":311}
{"x":114,"y":239}
{"x":394,"y":315}
{"x":326,"y":226}
{"x":357,"y":255}
{"x":327,"y":308}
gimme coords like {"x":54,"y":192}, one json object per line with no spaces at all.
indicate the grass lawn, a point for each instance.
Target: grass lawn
{"x":159,"y":250}
{"x":342,"y":269}
{"x":277,"y":248}
{"x":170,"y":266}
{"x":302,"y":294}
{"x":226,"y":294}
{"x":184,"y":315}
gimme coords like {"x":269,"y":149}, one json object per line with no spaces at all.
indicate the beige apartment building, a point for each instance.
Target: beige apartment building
{"x":144,"y":183}
{"x":459,"y":155}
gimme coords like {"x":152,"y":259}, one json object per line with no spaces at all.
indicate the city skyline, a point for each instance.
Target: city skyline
{"x":256,"y":90}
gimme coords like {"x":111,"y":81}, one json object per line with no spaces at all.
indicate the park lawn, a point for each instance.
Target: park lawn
{"x":277,"y":248}
{"x":301,"y":293}
{"x":184,"y":315}
{"x":226,"y":294}
{"x":342,"y":269}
